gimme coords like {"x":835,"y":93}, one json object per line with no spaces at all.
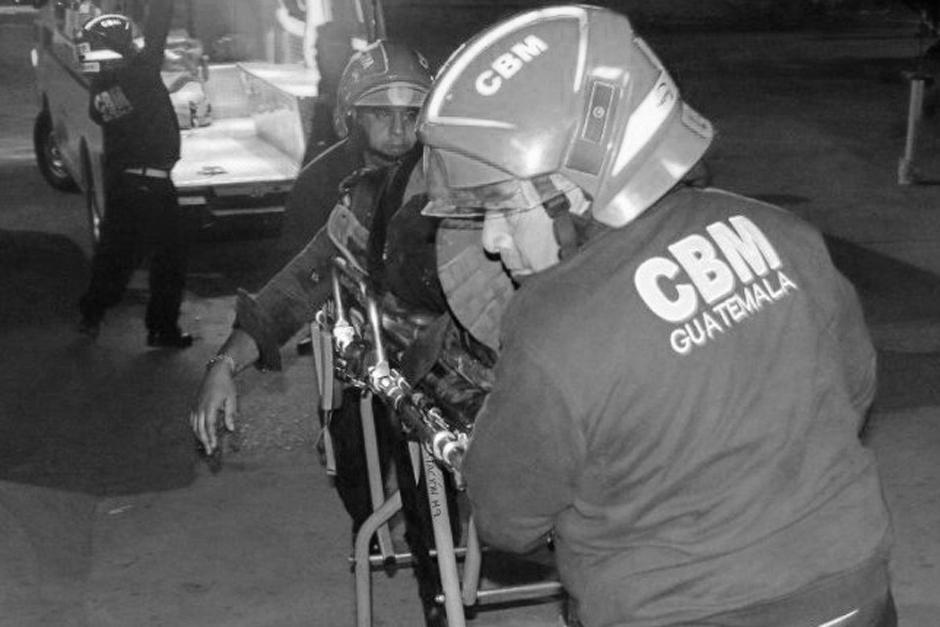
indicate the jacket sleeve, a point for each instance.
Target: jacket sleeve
{"x":858,"y":355}
{"x":288,"y":301}
{"x":157,"y":27}
{"x":521,"y":465}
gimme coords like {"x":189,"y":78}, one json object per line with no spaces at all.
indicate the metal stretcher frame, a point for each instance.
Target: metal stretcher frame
{"x":460,"y":589}
{"x":457,"y":592}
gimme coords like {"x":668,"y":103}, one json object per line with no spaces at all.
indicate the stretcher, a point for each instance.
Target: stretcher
{"x":356,"y":343}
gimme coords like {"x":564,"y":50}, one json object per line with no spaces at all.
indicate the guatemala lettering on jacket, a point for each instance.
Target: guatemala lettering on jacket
{"x":732,"y":272}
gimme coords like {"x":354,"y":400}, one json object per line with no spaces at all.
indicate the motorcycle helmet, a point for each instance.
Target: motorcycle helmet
{"x":105,"y":42}
{"x":384,"y":74}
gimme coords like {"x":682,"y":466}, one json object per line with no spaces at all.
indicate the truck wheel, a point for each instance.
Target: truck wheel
{"x":92,"y":205}
{"x":48,"y":157}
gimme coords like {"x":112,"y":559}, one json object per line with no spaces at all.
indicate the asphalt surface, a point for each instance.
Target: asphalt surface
{"x":108,"y":516}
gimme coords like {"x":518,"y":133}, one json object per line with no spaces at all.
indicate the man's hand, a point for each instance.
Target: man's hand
{"x":217,"y":395}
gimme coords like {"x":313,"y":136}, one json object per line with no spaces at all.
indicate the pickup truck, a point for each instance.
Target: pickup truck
{"x":244,"y":125}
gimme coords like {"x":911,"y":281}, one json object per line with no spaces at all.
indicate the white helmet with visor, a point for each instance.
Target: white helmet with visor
{"x":551,"y":101}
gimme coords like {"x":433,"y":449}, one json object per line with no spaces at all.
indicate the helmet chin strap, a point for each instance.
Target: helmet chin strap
{"x":571,"y":231}
{"x":558,"y":209}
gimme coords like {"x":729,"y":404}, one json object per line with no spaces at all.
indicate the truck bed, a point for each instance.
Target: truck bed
{"x":230,"y":152}
{"x":245,"y":162}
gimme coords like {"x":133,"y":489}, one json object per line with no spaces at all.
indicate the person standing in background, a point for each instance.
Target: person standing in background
{"x":128,"y":99}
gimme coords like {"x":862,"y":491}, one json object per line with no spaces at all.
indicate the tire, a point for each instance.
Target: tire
{"x":48,"y":157}
{"x":92,"y":207}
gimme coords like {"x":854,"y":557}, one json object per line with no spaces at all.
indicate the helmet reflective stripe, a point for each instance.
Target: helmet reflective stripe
{"x":393,"y":95}
{"x":479,"y":122}
{"x":840,"y":619}
{"x":103,"y":42}
{"x":111,"y":30}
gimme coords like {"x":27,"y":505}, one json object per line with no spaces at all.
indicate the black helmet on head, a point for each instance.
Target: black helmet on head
{"x":105,"y":42}
{"x":384,"y":74}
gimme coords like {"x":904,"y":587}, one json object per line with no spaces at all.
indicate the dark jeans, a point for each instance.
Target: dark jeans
{"x":143,"y":219}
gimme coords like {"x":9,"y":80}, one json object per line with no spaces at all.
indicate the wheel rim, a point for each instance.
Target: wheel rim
{"x":54,"y":157}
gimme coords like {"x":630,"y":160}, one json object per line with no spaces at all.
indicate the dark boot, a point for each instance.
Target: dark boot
{"x":170,"y":338}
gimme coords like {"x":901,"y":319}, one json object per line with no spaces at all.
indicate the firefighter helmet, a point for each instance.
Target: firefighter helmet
{"x":104,"y":42}
{"x":384,"y":74}
{"x":553,"y":98}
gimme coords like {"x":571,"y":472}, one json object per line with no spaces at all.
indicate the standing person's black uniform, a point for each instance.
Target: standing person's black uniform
{"x":129,"y":101}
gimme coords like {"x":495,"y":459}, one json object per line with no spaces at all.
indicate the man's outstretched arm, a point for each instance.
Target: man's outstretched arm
{"x":159,"y":18}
